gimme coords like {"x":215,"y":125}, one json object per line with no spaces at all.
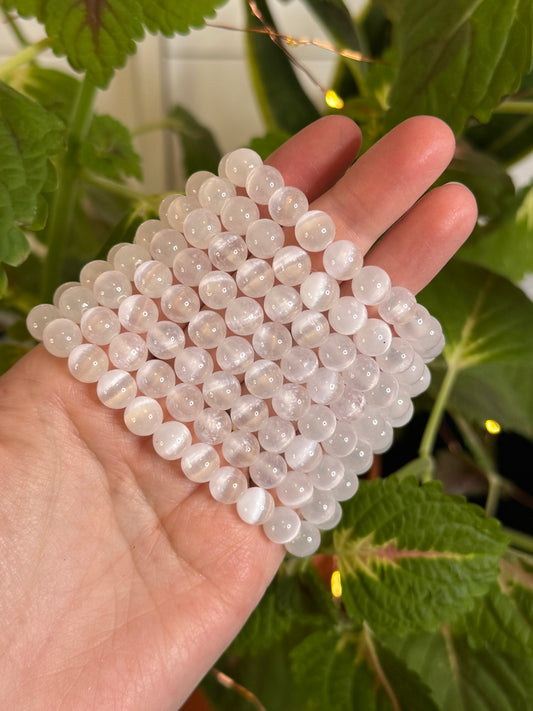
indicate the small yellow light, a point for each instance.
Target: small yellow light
{"x":333,"y":100}
{"x":336,"y":587}
{"x":291,"y":42}
{"x":492,"y":427}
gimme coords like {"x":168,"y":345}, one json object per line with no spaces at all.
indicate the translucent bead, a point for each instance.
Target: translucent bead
{"x":283,"y":525}
{"x":74,"y":301}
{"x":403,"y":419}
{"x":155,"y":378}
{"x":303,"y":453}
{"x":235,"y":355}
{"x":146,"y":231}
{"x":222,"y":166}
{"x":200,"y":462}
{"x":328,"y":474}
{"x":320,"y":508}
{"x":398,"y":357}
{"x":363,"y":373}
{"x":238,"y":213}
{"x":347,"y":315}
{"x":325,"y":386}
{"x":143,"y":416}
{"x":207,"y":329}
{"x":295,"y":490}
{"x":374,"y":429}
{"x":162,"y":210}
{"x":228,"y":485}
{"x":152,"y":278}
{"x":318,"y":423}
{"x":337,"y":352}
{"x":417,"y":326}
{"x":111,"y":287}
{"x":430,"y":352}
{"x":334,"y":519}
{"x":240,"y":163}
{"x":92,"y":270}
{"x":398,"y":307}
{"x":282,"y":304}
{"x":351,"y":405}
{"x":268,"y":470}
{"x":114,"y":249}
{"x":87,"y":362}
{"x":371,"y":285}
{"x":60,"y":289}
{"x":39,"y":317}
{"x":287,"y":205}
{"x":359,"y":460}
{"x":291,"y":265}
{"x":166,"y":244}
{"x":116,"y":389}
{"x":180,"y":303}
{"x":214,"y":192}
{"x":61,"y":336}
{"x":276,"y":434}
{"x":306,"y":542}
{"x":310,"y":329}
{"x":263,"y":378}
{"x":217,"y":289}
{"x":221,"y":389}
{"x":420,"y":385}
{"x":127,"y":351}
{"x":227,"y":251}
{"x":342,"y":442}
{"x":128,"y":258}
{"x":193,"y":365}
{"x":262,"y":181}
{"x":374,"y":338}
{"x":264,"y":238}
{"x":347,"y":488}
{"x":291,"y":402}
{"x":137,"y":313}
{"x":212,"y":425}
{"x":314,"y":231}
{"x":178,"y":210}
{"x":255,"y":506}
{"x":272,"y":341}
{"x":249,"y":413}
{"x":244,"y":316}
{"x":398,"y":408}
{"x":195,"y":182}
{"x":411,"y":374}
{"x":200,"y":226}
{"x":299,"y":364}
{"x":384,"y":393}
{"x":185,"y":402}
{"x":240,"y":448}
{"x":165,"y":339}
{"x":190,"y":266}
{"x":342,"y":259}
{"x":319,"y":291}
{"x":171,"y":440}
{"x":431,"y":337}
{"x":386,"y":440}
{"x":255,"y":278}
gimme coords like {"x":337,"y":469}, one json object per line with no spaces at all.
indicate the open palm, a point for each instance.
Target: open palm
{"x":122,"y":582}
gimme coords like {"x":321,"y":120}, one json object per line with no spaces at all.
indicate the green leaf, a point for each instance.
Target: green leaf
{"x":508,"y":249}
{"x":420,"y":468}
{"x":97,"y":37}
{"x":3,"y":282}
{"x":267,"y":144}
{"x":489,"y":345}
{"x":54,"y":90}
{"x":284,"y":104}
{"x":411,"y":556}
{"x":337,"y":20}
{"x":200,"y":149}
{"x":108,"y":150}
{"x":460,"y":57}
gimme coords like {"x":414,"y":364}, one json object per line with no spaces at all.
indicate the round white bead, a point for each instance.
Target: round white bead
{"x":255,"y":506}
{"x":74,"y":301}
{"x":262,"y":181}
{"x":303,"y":453}
{"x":419,"y":386}
{"x":399,"y":306}
{"x":240,"y":448}
{"x":272,"y":341}
{"x":295,"y":490}
{"x":359,"y":460}
{"x":128,"y":258}
{"x":291,"y":265}
{"x":291,"y":401}
{"x":398,"y":357}
{"x":137,"y":313}
{"x":214,"y":192}
{"x":347,"y":315}
{"x":319,"y":291}
{"x":116,"y":389}
{"x":334,"y":520}
{"x":417,"y":326}
{"x":244,"y":316}
{"x":92,"y":270}
{"x":268,"y":470}
{"x":39,"y":317}
{"x":342,"y":259}
{"x":363,"y":373}
{"x":286,"y":205}
{"x":347,"y":488}
{"x":162,"y":210}
{"x":171,"y":440}
{"x":255,"y":278}
{"x":185,"y":402}
{"x":325,"y":386}
{"x":217,"y":289}
{"x":178,"y":210}
{"x":299,"y":364}
{"x":200,"y":462}
{"x":227,"y":251}
{"x":374,"y":429}
{"x":374,"y":338}
{"x":228,"y":485}
{"x":318,"y":423}
{"x":310,"y":329}
{"x":342,"y":442}
{"x":399,"y":407}
{"x":180,"y":303}
{"x":371,"y":285}
{"x":238,"y":213}
{"x":320,"y":509}
{"x":282,"y":303}
{"x":87,"y":362}
{"x":190,"y":266}
{"x":249,"y":413}
{"x":328,"y":474}
{"x":314,"y":231}
{"x":263,"y":378}
{"x":146,"y":230}
{"x":200,"y":226}
{"x":60,"y":289}
{"x":221,"y":389}
{"x":193,"y":365}
{"x":240,"y":163}
{"x":155,"y":378}
{"x":195,"y":182}
{"x":127,"y":351}
{"x":276,"y":434}
{"x":413,"y":373}
{"x":264,"y":238}
{"x":235,"y":355}
{"x":306,"y":542}
{"x":152,"y":278}
{"x":212,"y":425}
{"x":283,"y":525}
{"x":166,"y":244}
{"x":143,"y":416}
{"x":99,"y":325}
{"x":403,"y":419}
{"x":384,"y":393}
{"x":61,"y":336}
{"x":337,"y":352}
{"x":165,"y":339}
{"x":111,"y":287}
{"x":351,"y":405}
{"x":207,"y":329}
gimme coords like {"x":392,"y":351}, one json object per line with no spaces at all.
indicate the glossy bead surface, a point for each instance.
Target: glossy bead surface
{"x":291,"y":265}
{"x":39,"y":317}
{"x":371,"y":285}
{"x":314,"y":231}
{"x":127,"y":351}
{"x":342,"y":259}
{"x":227,"y":251}
{"x":374,"y":338}
{"x":185,"y":402}
{"x":178,"y":210}
{"x":268,"y":470}
{"x":166,"y":244}
{"x":87,"y":362}
{"x":195,"y":182}
{"x":155,"y":378}
{"x":238,"y":213}
{"x":398,"y":357}
{"x":228,"y":485}
{"x":171,"y":440}
{"x":318,"y":423}
{"x":328,"y":474}
{"x":263,"y":378}
{"x":303,"y":453}
{"x":200,"y":462}
{"x":240,"y":163}
{"x":299,"y":364}
{"x":92,"y":270}
{"x":264,"y":238}
{"x":74,"y":301}
{"x":325,"y":386}
{"x":342,"y":442}
{"x":165,"y":339}
{"x":337,"y":352}
{"x":137,"y":313}
{"x":347,"y":315}
{"x":235,"y":355}
{"x":193,"y":365}
{"x":116,"y":389}
{"x":212,"y":425}
{"x":347,"y":488}
{"x":180,"y":303}
{"x":351,"y":405}
{"x":190,"y":265}
{"x":143,"y":416}
{"x":217,"y":289}
{"x":128,"y":258}
{"x":240,"y":448}
{"x":319,"y":291}
{"x":360,"y":459}
{"x":244,"y":316}
{"x":249,"y":413}
{"x":152,"y":278}
{"x":221,"y":389}
{"x":146,"y":231}
{"x":374,"y":429}
{"x":320,"y":508}
{"x":399,"y":306}
{"x":306,"y":542}
{"x":162,"y":210}
{"x":291,"y":401}
{"x":276,"y":434}
{"x":214,"y":192}
{"x":261,"y":182}
{"x":283,"y":525}
{"x":255,"y":506}
{"x":310,"y":329}
{"x":61,"y":336}
{"x":110,"y":288}
{"x":286,"y":205}
{"x":272,"y":341}
{"x":255,"y":278}
{"x":60,"y":289}
{"x":207,"y":329}
{"x":363,"y":373}
{"x":295,"y":490}
{"x":383,"y":393}
{"x":99,"y":325}
{"x":200,"y":226}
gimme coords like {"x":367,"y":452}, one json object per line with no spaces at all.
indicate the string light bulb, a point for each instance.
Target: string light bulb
{"x":336,"y":585}
{"x":493,"y":427}
{"x":333,"y":100}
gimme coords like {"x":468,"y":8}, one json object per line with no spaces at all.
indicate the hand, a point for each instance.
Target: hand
{"x":121,"y":581}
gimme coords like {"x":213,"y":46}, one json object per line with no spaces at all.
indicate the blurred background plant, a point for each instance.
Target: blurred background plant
{"x":419,"y":599}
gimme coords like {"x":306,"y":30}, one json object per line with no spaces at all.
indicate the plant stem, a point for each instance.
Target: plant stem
{"x":520,"y":540}
{"x":11,"y":21}
{"x":23,"y":57}
{"x":64,"y":199}
{"x":515,"y":107}
{"x":121,"y":190}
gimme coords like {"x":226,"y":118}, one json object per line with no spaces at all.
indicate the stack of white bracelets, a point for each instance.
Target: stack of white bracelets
{"x":242,"y":364}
